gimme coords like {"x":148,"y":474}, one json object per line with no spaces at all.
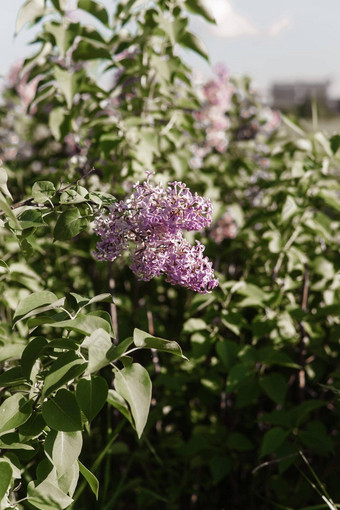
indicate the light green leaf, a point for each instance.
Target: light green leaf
{"x":47,"y":496}
{"x":3,"y":182}
{"x":69,"y":224}
{"x":90,"y":478}
{"x":289,"y":209}
{"x":134,"y":385}
{"x":9,"y":351}
{"x":32,"y":302}
{"x":98,"y":345}
{"x":57,"y":120}
{"x":62,"y":412}
{"x":146,"y":341}
{"x":85,"y":324}
{"x":69,"y":480}
{"x":63,"y":35}
{"x":91,"y":395}
{"x":5,"y":477}
{"x":14,"y":411}
{"x":29,"y":12}
{"x":43,"y":191}
{"x":63,"y":449}
{"x":67,"y":82}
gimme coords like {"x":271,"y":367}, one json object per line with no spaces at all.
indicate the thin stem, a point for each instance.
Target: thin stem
{"x":113,"y":308}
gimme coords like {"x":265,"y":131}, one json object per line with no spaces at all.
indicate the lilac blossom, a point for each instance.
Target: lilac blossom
{"x":150,"y":224}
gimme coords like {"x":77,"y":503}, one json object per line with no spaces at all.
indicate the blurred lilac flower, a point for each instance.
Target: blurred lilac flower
{"x":150,"y":225}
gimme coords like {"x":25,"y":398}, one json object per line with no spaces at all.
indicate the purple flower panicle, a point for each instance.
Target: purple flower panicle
{"x":150,"y":225}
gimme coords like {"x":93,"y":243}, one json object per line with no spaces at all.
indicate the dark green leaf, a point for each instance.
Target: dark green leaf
{"x":91,"y":395}
{"x":62,"y":412}
{"x":272,"y":440}
{"x":69,"y":224}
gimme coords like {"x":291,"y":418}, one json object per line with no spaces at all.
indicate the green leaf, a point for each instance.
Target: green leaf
{"x":227,"y":352}
{"x":289,"y":209}
{"x":134,"y":385}
{"x":199,"y":7}
{"x":68,"y":366}
{"x":239,"y":442}
{"x":117,"y":351}
{"x":62,"y":412}
{"x":3,"y":182}
{"x":31,"y":353}
{"x":91,"y":395}
{"x":8,"y":211}
{"x":85,"y":324}
{"x":146,"y":341}
{"x":43,"y":191}
{"x":91,"y":51}
{"x":59,"y":122}
{"x":11,"y":351}
{"x":115,"y":400}
{"x":98,"y":344}
{"x":90,"y":478}
{"x":69,"y":480}
{"x":11,"y":377}
{"x":33,"y":426}
{"x":317,"y":438}
{"x":69,"y":224}
{"x":335,"y":143}
{"x":191,"y":41}
{"x":275,"y":386}
{"x":63,"y":34}
{"x":219,"y":468}
{"x":47,"y":496}
{"x":32,"y":302}
{"x":68,"y":83}
{"x":5,"y":477}
{"x":31,"y":218}
{"x":97,"y":10}
{"x":29,"y":12}
{"x":14,"y":411}
{"x":63,"y":449}
{"x":272,"y":440}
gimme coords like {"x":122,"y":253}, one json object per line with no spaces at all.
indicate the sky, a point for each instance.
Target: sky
{"x":265,"y":39}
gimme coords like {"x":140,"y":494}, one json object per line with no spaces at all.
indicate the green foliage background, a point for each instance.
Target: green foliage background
{"x":248,"y":417}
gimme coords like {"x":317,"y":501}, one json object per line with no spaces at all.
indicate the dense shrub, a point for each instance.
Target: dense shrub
{"x":245,"y":413}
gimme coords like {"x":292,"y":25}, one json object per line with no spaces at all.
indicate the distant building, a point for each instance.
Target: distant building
{"x":292,"y":96}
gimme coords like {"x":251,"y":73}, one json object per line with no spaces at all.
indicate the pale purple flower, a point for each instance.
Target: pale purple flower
{"x":150,"y":224}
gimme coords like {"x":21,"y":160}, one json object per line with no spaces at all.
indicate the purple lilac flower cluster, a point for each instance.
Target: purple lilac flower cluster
{"x":150,"y":224}
{"x":217,"y":95}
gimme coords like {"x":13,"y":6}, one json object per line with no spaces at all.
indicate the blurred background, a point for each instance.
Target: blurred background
{"x":290,"y":49}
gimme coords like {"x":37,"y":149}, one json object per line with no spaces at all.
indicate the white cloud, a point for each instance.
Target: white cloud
{"x":230,"y":23}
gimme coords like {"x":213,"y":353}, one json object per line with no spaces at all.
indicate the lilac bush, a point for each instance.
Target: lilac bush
{"x":150,"y":225}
